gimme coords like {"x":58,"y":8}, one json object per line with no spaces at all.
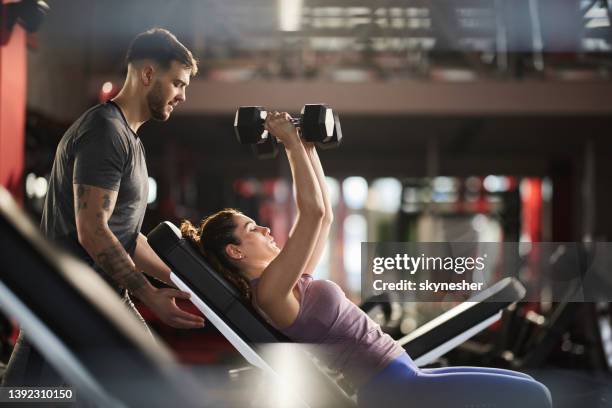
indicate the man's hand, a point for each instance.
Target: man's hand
{"x":162,"y":303}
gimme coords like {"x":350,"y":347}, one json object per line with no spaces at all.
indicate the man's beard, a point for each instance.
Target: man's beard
{"x":156,"y":103}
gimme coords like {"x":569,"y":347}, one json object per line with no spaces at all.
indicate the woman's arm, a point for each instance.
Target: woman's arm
{"x":275,"y":289}
{"x":328,"y":218}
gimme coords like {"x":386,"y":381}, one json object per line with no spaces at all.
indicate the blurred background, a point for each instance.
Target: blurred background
{"x":463,"y":120}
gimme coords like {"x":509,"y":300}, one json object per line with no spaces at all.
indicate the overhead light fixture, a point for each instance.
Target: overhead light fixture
{"x":290,"y":14}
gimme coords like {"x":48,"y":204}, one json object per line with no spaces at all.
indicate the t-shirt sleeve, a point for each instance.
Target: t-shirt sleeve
{"x":100,"y":156}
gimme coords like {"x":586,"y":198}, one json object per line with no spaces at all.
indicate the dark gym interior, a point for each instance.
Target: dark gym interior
{"x":462,"y":121}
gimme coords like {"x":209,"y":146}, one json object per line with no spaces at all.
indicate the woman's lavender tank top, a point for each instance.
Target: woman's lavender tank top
{"x":346,"y":339}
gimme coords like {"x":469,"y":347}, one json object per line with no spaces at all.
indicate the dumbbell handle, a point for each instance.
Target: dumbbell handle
{"x":294,"y":121}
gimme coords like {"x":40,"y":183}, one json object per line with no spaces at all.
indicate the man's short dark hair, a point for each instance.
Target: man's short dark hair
{"x":161,"y":46}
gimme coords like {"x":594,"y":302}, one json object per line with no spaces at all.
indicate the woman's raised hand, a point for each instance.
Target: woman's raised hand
{"x":279,"y":125}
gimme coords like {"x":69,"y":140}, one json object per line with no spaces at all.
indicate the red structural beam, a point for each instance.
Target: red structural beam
{"x":13,"y":71}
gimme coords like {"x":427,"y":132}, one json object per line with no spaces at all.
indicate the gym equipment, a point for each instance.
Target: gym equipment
{"x":480,"y":311}
{"x":236,"y":319}
{"x":318,"y":122}
{"x":80,"y":326}
{"x":440,"y":335}
{"x":30,"y":14}
{"x":531,"y":332}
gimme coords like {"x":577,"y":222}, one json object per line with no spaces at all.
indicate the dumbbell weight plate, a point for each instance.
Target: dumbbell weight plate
{"x":317,"y":123}
{"x":336,"y":138}
{"x":249,"y":124}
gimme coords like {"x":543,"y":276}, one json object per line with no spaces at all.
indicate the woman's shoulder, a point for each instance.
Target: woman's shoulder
{"x":305,"y":280}
{"x":320,"y":289}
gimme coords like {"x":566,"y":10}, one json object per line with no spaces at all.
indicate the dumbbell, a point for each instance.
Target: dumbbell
{"x":318,"y":122}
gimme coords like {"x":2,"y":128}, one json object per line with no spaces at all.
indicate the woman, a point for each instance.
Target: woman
{"x":279,"y":284}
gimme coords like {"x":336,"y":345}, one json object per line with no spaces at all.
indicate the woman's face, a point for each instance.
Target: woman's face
{"x":257,"y":247}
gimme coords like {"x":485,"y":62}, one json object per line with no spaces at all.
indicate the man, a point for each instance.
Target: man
{"x":99,"y":185}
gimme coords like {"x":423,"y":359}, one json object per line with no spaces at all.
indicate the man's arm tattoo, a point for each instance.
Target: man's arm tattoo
{"x":106,"y":203}
{"x":116,"y":262}
{"x":101,"y":227}
{"x":100,"y":216}
{"x":82,"y":193}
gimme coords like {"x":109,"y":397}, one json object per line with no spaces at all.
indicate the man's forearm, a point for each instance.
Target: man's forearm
{"x":109,"y":254}
{"x":115,"y":261}
{"x":93,"y":207}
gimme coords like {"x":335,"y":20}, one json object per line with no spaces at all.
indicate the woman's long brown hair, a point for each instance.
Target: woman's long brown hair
{"x":212,"y":236}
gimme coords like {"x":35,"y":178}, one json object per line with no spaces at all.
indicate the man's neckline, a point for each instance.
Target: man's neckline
{"x":116,"y":105}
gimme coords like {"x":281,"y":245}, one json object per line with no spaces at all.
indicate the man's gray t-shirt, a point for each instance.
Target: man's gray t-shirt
{"x":99,"y":150}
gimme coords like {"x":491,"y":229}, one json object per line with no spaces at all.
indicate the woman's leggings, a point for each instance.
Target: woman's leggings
{"x":403,"y":384}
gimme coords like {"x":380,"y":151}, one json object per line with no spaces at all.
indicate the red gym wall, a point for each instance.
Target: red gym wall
{"x":13,"y":71}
